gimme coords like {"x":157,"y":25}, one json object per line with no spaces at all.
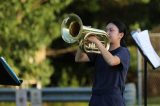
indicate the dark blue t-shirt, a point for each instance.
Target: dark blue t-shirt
{"x":110,"y":79}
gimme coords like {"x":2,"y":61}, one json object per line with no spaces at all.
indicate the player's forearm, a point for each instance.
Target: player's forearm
{"x":108,"y":57}
{"x":81,"y":56}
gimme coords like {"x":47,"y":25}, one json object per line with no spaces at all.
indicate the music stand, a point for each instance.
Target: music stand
{"x":142,"y":42}
{"x":7,"y":75}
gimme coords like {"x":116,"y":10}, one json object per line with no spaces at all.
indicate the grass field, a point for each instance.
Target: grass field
{"x":154,"y":101}
{"x":65,"y":104}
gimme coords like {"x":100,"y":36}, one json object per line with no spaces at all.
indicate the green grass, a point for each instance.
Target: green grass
{"x":67,"y":104}
{"x":153,"y":101}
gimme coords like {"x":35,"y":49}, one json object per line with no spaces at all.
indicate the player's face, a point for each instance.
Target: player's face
{"x":113,"y":32}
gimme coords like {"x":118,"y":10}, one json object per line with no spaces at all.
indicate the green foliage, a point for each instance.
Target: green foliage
{"x":137,"y":14}
{"x":26,"y":27}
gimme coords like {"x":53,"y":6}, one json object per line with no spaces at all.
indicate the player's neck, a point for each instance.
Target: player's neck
{"x":114,"y":46}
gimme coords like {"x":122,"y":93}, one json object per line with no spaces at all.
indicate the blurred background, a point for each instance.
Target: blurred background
{"x":31,"y":42}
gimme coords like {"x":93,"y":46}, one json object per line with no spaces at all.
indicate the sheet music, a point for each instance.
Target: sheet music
{"x":143,"y":41}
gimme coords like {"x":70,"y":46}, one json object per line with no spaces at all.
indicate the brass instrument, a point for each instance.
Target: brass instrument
{"x":72,"y":30}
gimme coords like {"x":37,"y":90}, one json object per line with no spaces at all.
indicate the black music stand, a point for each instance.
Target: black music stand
{"x":7,"y":75}
{"x":142,"y":41}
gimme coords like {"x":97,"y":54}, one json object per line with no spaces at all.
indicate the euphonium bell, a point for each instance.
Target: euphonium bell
{"x":72,"y":30}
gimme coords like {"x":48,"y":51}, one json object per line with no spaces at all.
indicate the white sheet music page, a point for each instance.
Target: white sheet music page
{"x":143,"y":41}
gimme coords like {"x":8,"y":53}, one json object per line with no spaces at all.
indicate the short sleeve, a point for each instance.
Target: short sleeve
{"x":124,"y":56}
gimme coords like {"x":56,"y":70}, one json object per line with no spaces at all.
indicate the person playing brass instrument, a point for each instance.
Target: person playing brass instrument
{"x":111,"y":66}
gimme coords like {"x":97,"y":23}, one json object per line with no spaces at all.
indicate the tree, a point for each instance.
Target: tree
{"x":135,"y":13}
{"x":27,"y":27}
